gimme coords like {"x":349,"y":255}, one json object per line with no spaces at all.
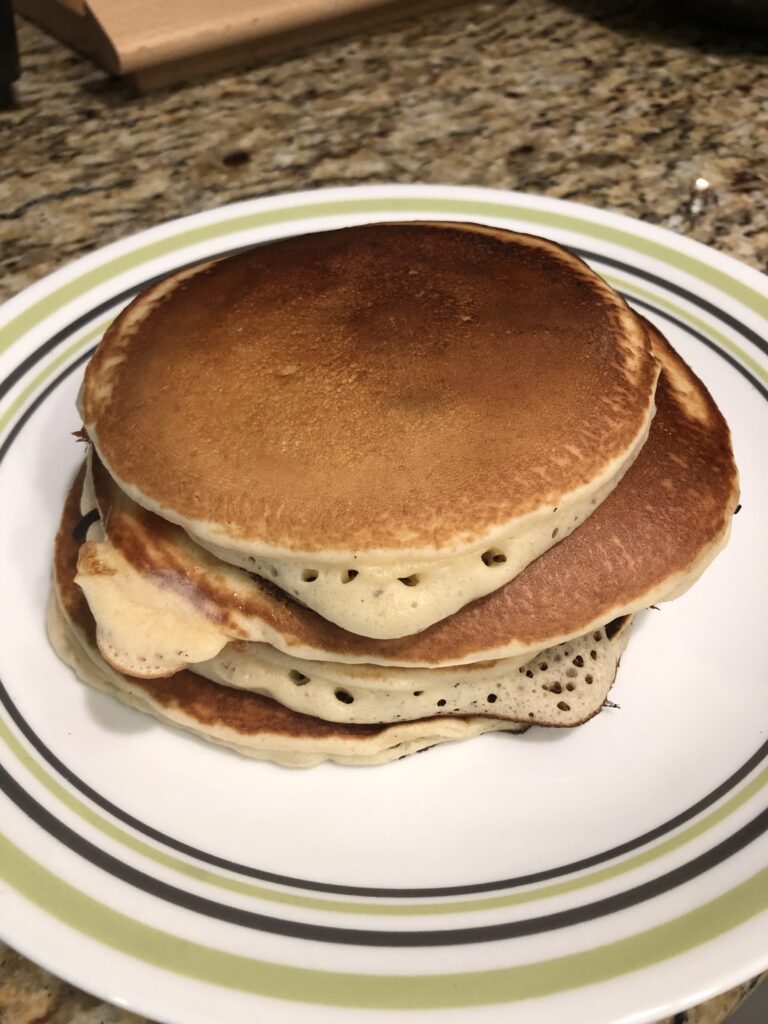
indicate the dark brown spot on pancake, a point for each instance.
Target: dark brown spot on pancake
{"x":90,"y":561}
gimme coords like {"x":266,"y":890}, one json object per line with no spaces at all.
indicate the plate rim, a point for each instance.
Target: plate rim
{"x":166,"y":230}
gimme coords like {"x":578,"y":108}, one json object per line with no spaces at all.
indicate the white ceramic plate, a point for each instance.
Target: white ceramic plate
{"x":613,"y":873}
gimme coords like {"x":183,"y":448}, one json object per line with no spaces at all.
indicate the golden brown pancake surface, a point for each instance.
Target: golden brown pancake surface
{"x":660,"y":526}
{"x":390,"y":388}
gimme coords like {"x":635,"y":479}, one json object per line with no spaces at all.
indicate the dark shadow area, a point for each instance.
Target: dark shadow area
{"x":713,"y":26}
{"x":9,"y":56}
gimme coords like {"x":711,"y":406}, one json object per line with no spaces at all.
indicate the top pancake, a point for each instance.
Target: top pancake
{"x":378,"y":392}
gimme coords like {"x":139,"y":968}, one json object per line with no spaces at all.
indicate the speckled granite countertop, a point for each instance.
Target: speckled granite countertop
{"x":611,"y":103}
{"x":570,"y":99}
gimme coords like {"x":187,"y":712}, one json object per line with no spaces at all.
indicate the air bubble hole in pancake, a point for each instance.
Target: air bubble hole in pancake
{"x":493,"y":557}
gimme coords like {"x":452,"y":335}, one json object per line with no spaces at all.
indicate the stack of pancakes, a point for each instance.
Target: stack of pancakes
{"x":351,"y":494}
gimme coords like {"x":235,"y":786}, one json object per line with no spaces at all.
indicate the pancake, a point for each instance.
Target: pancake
{"x":247,"y":723}
{"x":563,"y":686}
{"x":255,"y":726}
{"x":648,"y":541}
{"x":388,"y":421}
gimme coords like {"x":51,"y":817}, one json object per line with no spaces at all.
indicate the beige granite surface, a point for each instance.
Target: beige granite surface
{"x":615,"y":104}
{"x":576,"y":99}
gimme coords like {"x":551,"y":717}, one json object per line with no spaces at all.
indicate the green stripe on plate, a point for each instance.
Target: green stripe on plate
{"x":378,"y":908}
{"x":40,"y":379}
{"x":378,"y":991}
{"x":662,"y":303}
{"x":707,"y":274}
